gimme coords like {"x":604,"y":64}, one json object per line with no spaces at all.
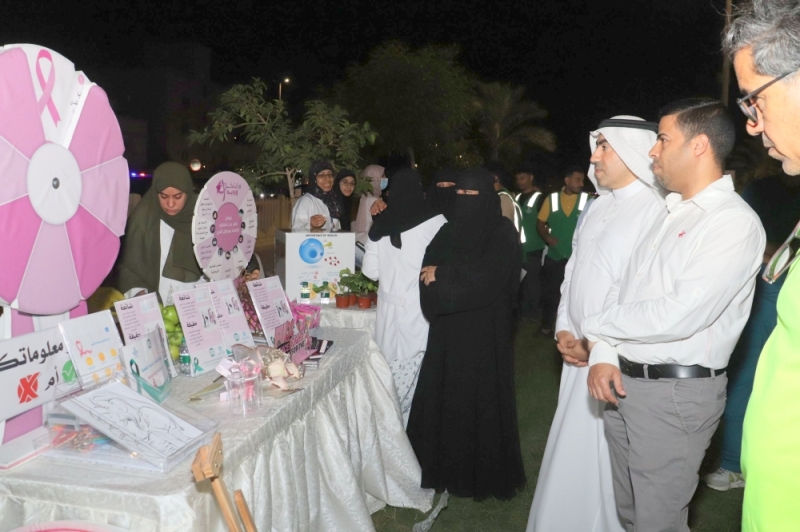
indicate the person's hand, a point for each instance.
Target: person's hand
{"x":378,"y":207}
{"x":601,"y":376}
{"x":572,"y":351}
{"x":428,"y":274}
{"x":317,"y":221}
{"x":140,"y":293}
{"x":550,"y":241}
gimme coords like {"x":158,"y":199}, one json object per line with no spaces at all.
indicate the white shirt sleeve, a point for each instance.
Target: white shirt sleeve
{"x":701,"y":292}
{"x":369,"y":266}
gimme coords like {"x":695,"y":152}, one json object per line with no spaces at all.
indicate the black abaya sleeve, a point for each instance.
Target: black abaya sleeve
{"x":476,"y":283}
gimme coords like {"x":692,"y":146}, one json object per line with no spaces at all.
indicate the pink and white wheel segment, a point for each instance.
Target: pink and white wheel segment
{"x":224,"y":226}
{"x":63,"y":182}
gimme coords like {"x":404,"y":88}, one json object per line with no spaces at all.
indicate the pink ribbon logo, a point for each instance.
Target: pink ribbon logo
{"x":81,"y":350}
{"x":47,"y":86}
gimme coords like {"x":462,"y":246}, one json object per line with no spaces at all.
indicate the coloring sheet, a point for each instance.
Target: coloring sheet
{"x":134,"y":421}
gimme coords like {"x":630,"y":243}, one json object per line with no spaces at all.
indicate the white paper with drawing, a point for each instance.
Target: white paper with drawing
{"x":133,"y":421}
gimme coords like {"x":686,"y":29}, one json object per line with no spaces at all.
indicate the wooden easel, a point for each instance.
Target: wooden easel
{"x":207,"y":465}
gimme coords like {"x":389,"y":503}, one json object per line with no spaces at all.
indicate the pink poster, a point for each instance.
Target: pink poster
{"x":270,"y":301}
{"x":230,"y":316}
{"x":139,"y":316}
{"x":199,"y":322}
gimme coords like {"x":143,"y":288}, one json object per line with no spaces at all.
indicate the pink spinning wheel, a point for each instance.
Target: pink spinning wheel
{"x":63,"y":182}
{"x":224,"y":226}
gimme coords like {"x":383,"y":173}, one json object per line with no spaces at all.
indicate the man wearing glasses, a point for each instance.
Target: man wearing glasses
{"x":664,"y":341}
{"x":764,"y":42}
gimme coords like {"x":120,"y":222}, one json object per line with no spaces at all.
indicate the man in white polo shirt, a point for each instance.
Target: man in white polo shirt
{"x":665,"y":336}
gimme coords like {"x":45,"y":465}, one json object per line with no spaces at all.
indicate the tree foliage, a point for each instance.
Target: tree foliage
{"x":284,"y":148}
{"x":506,"y":124}
{"x":417,"y":100}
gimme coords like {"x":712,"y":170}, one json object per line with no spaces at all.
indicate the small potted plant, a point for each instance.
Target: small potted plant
{"x":347,"y":296}
{"x":364,"y":288}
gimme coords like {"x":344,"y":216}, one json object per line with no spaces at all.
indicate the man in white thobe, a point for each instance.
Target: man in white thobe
{"x":575,"y":490}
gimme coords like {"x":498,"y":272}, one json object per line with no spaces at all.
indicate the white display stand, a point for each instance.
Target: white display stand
{"x":312,"y":257}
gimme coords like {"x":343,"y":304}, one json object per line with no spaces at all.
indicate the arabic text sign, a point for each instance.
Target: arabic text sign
{"x":139,"y":316}
{"x":230,"y":316}
{"x":199,"y":321}
{"x":270,"y":302}
{"x":31,"y":367}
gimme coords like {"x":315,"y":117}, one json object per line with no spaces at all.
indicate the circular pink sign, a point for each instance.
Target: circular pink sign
{"x":228,"y":226}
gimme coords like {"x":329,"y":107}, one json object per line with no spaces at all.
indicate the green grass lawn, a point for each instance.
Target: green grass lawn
{"x":538,"y":367}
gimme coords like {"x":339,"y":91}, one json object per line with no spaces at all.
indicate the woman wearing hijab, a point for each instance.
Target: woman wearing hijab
{"x":394,"y":252}
{"x":379,"y":182}
{"x":319,"y":209}
{"x":345,"y":186}
{"x":463,"y":422}
{"x":157,"y":254}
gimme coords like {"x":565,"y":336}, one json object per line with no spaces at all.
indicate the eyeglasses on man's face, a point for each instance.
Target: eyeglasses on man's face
{"x":782,"y":260}
{"x":747,"y":102}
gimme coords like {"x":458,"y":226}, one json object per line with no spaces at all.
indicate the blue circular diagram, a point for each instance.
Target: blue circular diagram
{"x":311,"y":251}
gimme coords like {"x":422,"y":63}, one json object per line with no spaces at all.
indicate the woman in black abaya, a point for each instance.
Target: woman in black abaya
{"x":463,"y":421}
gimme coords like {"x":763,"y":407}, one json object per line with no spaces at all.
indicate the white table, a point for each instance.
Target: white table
{"x":348,"y":318}
{"x":324,"y":458}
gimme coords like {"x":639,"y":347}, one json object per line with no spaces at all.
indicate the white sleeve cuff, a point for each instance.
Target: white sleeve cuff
{"x":603,"y":353}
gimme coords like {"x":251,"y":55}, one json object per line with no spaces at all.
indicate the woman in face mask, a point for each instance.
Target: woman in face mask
{"x":379,"y":181}
{"x":319,"y":209}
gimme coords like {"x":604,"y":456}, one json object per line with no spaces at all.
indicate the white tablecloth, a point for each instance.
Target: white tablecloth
{"x":349,"y":318}
{"x":324,"y":458}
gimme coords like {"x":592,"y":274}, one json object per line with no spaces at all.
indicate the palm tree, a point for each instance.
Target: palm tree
{"x":507,"y":123}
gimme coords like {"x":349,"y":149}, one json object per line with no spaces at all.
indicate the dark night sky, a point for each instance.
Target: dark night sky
{"x":583,"y":60}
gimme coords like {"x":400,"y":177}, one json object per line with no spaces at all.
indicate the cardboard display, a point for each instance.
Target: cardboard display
{"x":313,"y":258}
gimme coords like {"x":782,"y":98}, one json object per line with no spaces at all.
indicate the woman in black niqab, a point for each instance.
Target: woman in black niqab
{"x":441,"y":193}
{"x":463,"y":421}
{"x":406,"y":208}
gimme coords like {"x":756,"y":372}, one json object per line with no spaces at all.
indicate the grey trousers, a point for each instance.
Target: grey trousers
{"x":657,"y":438}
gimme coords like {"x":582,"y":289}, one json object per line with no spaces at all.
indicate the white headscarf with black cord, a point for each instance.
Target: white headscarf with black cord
{"x":632,"y":138}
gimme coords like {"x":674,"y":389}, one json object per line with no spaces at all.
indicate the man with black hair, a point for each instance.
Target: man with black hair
{"x":502,"y":184}
{"x":660,"y":347}
{"x":530,"y":200}
{"x":556,"y":224}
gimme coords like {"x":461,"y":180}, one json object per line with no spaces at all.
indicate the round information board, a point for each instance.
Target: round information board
{"x":224,"y":226}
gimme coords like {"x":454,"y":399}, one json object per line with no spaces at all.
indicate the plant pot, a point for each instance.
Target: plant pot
{"x":364,"y":301}
{"x":353,"y":299}
{"x":342,"y":300}
{"x":374,"y":296}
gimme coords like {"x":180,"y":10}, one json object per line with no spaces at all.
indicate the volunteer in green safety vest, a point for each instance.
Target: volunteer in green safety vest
{"x":556,"y":224}
{"x":502,"y":182}
{"x":530,"y":200}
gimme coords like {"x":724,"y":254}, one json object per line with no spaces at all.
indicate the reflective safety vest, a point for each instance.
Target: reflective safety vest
{"x":528,"y":207}
{"x":562,"y":227}
{"x":517,"y":210}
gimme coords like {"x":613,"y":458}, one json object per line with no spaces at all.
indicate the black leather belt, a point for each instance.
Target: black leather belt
{"x":665,"y":371}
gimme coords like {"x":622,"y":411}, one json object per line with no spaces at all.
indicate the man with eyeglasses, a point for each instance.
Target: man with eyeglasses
{"x":664,"y":338}
{"x":763,"y":42}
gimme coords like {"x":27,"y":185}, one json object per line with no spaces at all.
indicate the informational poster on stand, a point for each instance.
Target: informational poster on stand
{"x":312,"y":258}
{"x":94,"y":346}
{"x":32,"y":366}
{"x":139,"y":316}
{"x":199,"y":322}
{"x":270,"y":302}
{"x":230,"y":316}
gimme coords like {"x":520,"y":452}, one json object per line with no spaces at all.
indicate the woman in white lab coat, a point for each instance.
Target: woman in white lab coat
{"x":157,"y":254}
{"x":320,"y":208}
{"x":397,"y":243}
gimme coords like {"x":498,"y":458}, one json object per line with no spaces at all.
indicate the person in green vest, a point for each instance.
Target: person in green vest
{"x":502,"y":182}
{"x":762,"y":42}
{"x":556,"y":224}
{"x":530,"y":200}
